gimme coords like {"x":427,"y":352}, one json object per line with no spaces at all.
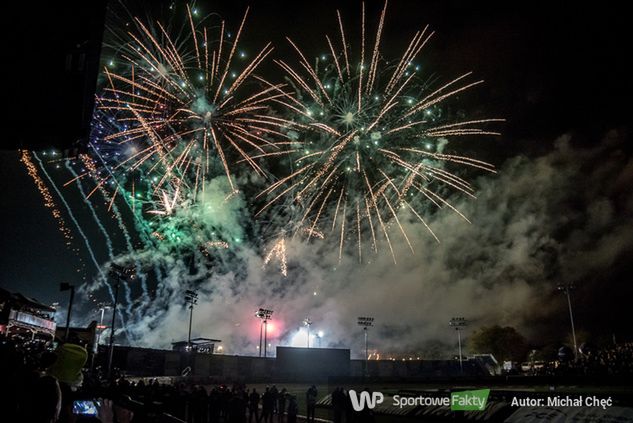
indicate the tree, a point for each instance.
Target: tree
{"x":504,"y":343}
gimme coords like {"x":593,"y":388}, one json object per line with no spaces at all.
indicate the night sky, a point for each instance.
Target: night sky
{"x":551,"y":69}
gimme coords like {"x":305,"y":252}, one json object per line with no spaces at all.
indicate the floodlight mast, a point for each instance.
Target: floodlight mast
{"x":307,"y":322}
{"x":103,"y":306}
{"x":65,"y":286}
{"x":319,"y":335}
{"x":191,"y":298}
{"x":566,"y":288}
{"x":366,"y":323}
{"x":459,"y":323}
{"x":125,"y":273}
{"x":264,"y":315}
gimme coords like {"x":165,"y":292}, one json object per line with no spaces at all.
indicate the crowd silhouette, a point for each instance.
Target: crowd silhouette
{"x":42,"y":386}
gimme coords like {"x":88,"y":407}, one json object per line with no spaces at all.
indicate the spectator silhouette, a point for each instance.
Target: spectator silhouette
{"x":275,"y":397}
{"x":253,"y":406}
{"x":292,"y":409}
{"x":281,"y":404}
{"x":268,"y":403}
{"x":311,"y":399}
{"x":338,"y":404}
{"x":42,"y":401}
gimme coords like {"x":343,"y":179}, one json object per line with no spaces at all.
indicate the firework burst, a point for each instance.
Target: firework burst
{"x":184,"y":117}
{"x":278,"y":252}
{"x":368,"y":141}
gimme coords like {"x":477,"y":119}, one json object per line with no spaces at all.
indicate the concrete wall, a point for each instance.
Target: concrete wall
{"x":400,"y":369}
{"x":291,"y":365}
{"x":311,"y":364}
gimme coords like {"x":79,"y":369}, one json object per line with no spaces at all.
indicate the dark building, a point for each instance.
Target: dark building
{"x":57,"y":75}
{"x":25,"y":317}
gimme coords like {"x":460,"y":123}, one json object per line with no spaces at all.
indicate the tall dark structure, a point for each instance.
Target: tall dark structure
{"x":54,"y":54}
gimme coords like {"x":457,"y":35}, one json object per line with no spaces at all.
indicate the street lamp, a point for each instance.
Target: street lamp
{"x":191,"y":298}
{"x":120,"y":272}
{"x":366,"y":323}
{"x":65,"y":286}
{"x":264,"y":315}
{"x":102,"y":308}
{"x":319,"y":336}
{"x":567,"y":288}
{"x":307,"y":322}
{"x":459,"y":323}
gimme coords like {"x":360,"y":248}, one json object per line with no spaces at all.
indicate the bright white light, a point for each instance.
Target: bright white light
{"x":299,"y":339}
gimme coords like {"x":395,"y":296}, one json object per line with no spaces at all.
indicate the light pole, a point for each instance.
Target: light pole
{"x":102,"y":308}
{"x":459,"y":323}
{"x":119,"y":272}
{"x":319,"y":336}
{"x":55,"y":305}
{"x":567,"y":288}
{"x":100,"y":327}
{"x":191,"y":298}
{"x":307,"y":322}
{"x":366,"y":323}
{"x":65,"y":286}
{"x":264,"y":315}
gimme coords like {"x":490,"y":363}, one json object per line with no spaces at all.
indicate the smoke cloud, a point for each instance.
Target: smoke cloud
{"x":561,"y":217}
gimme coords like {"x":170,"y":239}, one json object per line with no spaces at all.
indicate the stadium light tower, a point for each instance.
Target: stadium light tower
{"x":125,"y":273}
{"x":319,"y":337}
{"x":264,"y":315}
{"x":191,"y":298}
{"x":366,"y":323}
{"x":103,"y":306}
{"x":567,"y":288}
{"x":65,"y":286}
{"x":307,"y":322}
{"x":459,"y":323}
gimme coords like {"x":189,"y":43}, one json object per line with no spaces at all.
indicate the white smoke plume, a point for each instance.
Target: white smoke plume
{"x":564,"y":216}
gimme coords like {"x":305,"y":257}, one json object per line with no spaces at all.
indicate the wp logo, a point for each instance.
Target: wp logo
{"x":365,"y":399}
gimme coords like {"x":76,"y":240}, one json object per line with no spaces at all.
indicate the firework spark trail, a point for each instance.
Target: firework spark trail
{"x":92,"y":210}
{"x":47,"y":197}
{"x":367,"y":139}
{"x":142,"y":277}
{"x":144,"y":228}
{"x":128,"y":291}
{"x":74,"y":220}
{"x":278,"y":251}
{"x":112,"y":206}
